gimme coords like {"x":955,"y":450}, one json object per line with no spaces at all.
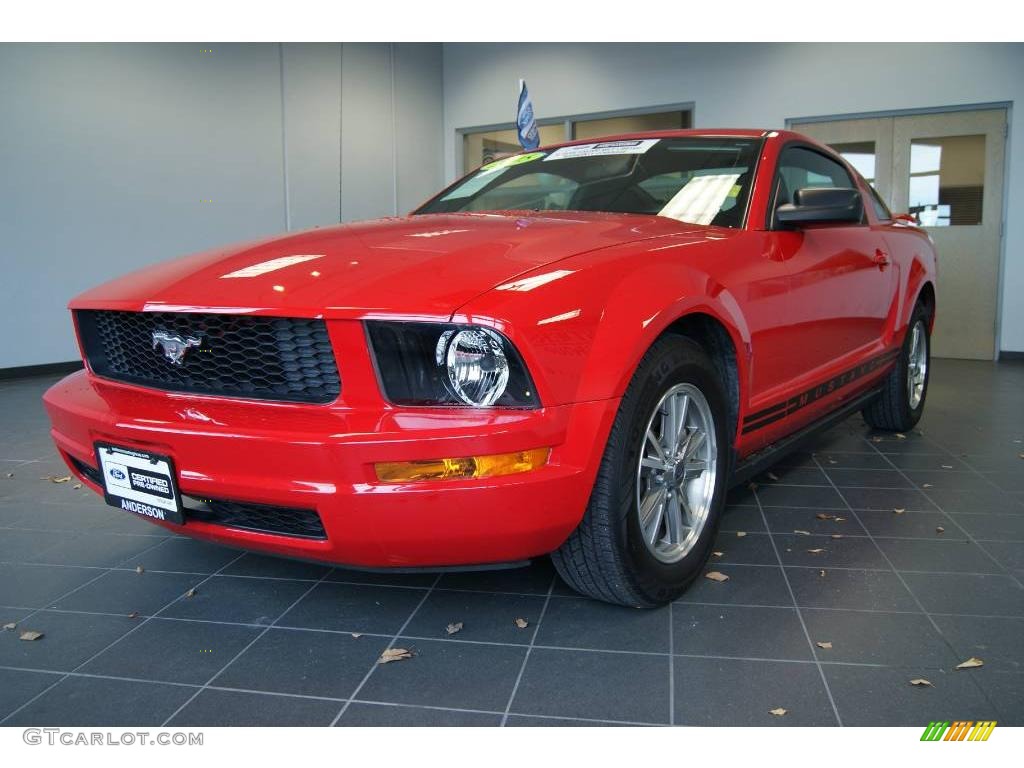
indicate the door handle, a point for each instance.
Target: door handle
{"x":881,"y":258}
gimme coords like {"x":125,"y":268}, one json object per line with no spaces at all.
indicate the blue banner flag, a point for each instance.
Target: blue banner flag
{"x":526,"y":124}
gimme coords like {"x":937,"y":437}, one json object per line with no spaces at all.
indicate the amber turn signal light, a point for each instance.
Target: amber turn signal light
{"x":463,"y":468}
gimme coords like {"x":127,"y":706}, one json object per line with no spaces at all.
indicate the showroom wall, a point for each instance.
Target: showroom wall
{"x":759,"y":85}
{"x":113,"y":157}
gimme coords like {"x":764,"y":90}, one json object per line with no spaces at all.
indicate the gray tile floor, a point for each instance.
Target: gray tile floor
{"x":267,"y":641}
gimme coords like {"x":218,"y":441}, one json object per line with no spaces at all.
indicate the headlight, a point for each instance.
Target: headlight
{"x":476,"y":363}
{"x":446,"y":364}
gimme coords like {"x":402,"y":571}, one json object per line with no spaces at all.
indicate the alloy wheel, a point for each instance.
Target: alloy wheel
{"x":675,"y":481}
{"x":917,"y":364}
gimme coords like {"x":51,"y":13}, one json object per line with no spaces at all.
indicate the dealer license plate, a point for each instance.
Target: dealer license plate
{"x":139,"y":482}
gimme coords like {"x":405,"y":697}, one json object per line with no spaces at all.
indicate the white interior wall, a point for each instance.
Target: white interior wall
{"x":749,"y":85}
{"x":108,"y":154}
{"x":312,"y":132}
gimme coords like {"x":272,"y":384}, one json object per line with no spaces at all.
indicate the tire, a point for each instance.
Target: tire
{"x":607,"y":557}
{"x":895,"y":410}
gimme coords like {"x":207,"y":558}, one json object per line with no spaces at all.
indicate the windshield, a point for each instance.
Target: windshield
{"x":694,"y":180}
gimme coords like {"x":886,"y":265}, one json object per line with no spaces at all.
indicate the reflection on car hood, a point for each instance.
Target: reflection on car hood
{"x":417,"y":265}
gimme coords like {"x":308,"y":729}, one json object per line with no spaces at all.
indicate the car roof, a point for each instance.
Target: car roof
{"x":705,"y":133}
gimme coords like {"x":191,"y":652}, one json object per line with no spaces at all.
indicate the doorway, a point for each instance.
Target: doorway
{"x":945,"y":169}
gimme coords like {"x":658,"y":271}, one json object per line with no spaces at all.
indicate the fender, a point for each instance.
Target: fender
{"x":584,"y":330}
{"x":918,"y":267}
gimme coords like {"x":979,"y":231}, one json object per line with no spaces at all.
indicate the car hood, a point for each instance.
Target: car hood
{"x":425,"y":266}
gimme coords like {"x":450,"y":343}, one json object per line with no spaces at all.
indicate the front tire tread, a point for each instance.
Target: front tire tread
{"x":891,"y":411}
{"x":593,"y":560}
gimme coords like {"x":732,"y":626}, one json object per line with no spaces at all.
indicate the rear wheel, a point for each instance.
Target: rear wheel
{"x":901,"y":403}
{"x":652,"y":516}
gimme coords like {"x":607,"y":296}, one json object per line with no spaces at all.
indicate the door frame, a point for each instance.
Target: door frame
{"x":795,"y":122}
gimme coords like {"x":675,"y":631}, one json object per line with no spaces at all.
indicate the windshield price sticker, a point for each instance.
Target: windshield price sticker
{"x":628,"y":147}
{"x":507,"y":162}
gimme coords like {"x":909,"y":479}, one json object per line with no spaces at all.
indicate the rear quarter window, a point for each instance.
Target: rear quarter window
{"x":882,"y":212}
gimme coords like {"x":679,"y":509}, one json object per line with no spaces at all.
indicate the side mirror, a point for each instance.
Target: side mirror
{"x":813,"y":205}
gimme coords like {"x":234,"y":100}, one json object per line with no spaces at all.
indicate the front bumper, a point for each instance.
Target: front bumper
{"x":322,"y":457}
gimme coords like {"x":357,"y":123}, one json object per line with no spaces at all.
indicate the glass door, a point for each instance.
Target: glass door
{"x":946,"y":169}
{"x":948,"y":173}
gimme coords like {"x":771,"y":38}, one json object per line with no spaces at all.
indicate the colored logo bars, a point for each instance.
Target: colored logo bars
{"x":960,"y":730}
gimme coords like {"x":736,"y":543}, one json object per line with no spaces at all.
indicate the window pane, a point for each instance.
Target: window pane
{"x":799,"y":168}
{"x":882,"y":212}
{"x":488,"y":146}
{"x":947,"y":180}
{"x":611,"y":126}
{"x":861,"y":155}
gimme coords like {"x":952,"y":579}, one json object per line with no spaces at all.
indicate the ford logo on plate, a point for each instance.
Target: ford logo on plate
{"x":117,"y":474}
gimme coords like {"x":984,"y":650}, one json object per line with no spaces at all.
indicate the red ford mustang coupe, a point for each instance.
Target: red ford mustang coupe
{"x":573,"y":351}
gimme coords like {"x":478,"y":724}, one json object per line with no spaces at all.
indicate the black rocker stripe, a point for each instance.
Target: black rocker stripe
{"x":781,"y":410}
{"x":766,"y":412}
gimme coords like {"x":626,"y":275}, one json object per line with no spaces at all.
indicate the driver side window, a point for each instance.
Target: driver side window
{"x":801,"y":167}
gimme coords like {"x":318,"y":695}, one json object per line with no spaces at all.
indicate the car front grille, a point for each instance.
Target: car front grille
{"x":265,"y":358}
{"x":284,"y":521}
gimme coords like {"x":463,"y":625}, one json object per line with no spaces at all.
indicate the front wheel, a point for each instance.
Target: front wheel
{"x":901,"y":403}
{"x":654,"y":510}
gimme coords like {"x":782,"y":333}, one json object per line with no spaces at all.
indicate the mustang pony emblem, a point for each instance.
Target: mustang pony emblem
{"x":174,"y":346}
